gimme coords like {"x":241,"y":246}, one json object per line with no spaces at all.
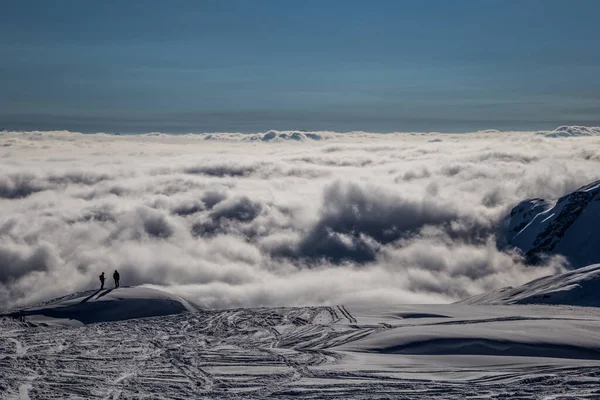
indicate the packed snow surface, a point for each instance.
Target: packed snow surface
{"x":109,"y":304}
{"x":352,"y":352}
{"x":567,"y":226}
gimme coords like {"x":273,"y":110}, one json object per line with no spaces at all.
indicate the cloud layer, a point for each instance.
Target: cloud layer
{"x":281,"y":218}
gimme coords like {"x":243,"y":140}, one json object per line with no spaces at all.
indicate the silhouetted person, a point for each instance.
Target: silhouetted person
{"x":101,"y":280}
{"x":116,"y":277}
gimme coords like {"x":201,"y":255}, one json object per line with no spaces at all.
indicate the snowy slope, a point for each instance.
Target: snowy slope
{"x":518,"y":337}
{"x":109,"y":305}
{"x":413,"y":352}
{"x":568,"y":226}
{"x":580,"y":287}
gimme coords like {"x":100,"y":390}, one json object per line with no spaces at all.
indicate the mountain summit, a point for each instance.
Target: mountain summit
{"x":567,"y":226}
{"x":109,"y":305}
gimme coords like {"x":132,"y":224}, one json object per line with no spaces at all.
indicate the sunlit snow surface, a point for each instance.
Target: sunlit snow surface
{"x":415,"y":352}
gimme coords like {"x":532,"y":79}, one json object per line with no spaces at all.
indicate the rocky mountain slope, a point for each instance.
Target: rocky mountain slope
{"x":568,"y":226}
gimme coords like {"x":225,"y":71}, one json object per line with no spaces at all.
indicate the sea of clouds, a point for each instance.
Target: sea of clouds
{"x":280,"y":218}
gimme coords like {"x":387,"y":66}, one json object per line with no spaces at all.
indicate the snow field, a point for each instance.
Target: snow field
{"x":416,"y":352}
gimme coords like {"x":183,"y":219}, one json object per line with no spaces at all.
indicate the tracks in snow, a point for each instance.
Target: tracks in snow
{"x":346,"y":314}
{"x":232,"y":354}
{"x":229,"y":353}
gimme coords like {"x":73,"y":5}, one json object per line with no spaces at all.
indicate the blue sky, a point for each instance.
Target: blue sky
{"x":250,"y":66}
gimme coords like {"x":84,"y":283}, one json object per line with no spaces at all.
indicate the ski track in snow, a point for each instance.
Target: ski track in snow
{"x":251,"y":353}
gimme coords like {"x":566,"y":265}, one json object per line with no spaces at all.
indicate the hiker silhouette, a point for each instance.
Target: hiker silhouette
{"x":116,"y":277}
{"x":101,"y":277}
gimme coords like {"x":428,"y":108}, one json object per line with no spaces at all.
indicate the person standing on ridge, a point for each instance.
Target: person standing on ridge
{"x":101,"y":280}
{"x":116,"y":278}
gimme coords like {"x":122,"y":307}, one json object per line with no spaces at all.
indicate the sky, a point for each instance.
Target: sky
{"x":251,"y":66}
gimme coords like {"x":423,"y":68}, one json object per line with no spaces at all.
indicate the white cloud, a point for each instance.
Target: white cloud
{"x":287,"y":218}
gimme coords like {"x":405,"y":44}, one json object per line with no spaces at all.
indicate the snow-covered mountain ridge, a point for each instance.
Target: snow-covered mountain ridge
{"x":567,"y":226}
{"x":580,"y":287}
